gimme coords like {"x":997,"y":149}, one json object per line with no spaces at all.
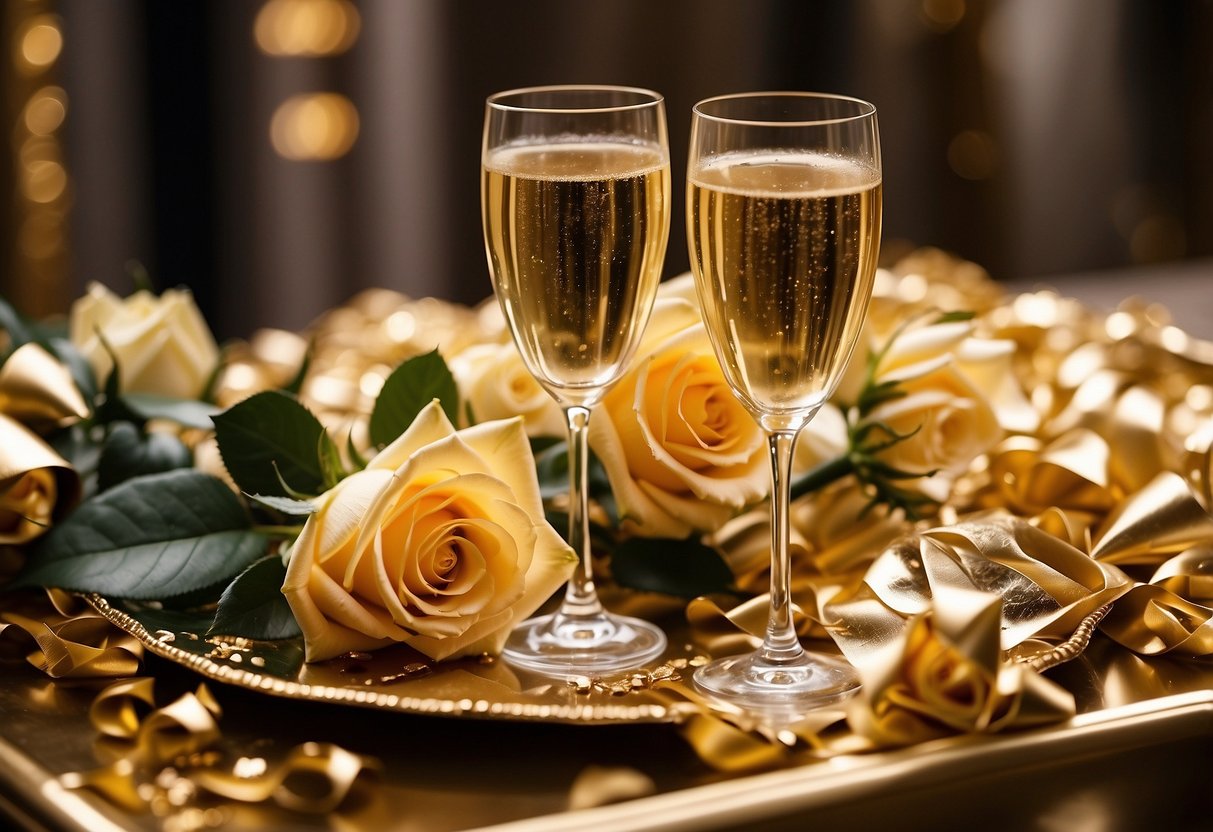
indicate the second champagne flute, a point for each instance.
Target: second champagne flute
{"x":575,"y":195}
{"x":783,"y":222}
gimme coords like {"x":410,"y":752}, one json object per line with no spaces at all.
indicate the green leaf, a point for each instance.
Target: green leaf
{"x":77,"y":365}
{"x":151,"y":537}
{"x":953,"y":317}
{"x":128,"y":453}
{"x":330,"y":461}
{"x":685,"y":568}
{"x":410,"y":387}
{"x":253,"y":605}
{"x":185,"y":412}
{"x":140,"y":277}
{"x":296,"y":384}
{"x":356,"y":459}
{"x":19,"y":331}
{"x":552,"y":469}
{"x":266,"y":431}
{"x":286,"y":505}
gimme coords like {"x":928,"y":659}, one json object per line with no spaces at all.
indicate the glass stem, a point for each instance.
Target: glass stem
{"x":580,"y":597}
{"x":781,"y":644}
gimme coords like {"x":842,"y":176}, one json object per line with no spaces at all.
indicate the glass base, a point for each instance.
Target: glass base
{"x":809,"y":681}
{"x":562,"y":645}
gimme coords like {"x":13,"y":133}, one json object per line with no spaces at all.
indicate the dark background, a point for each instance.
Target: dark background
{"x":1037,"y":138}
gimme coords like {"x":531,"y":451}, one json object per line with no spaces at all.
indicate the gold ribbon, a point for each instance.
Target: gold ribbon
{"x":173,"y":748}
{"x":36,"y":484}
{"x":314,"y":778}
{"x":57,"y":635}
{"x":1161,"y":520}
{"x":36,"y":389}
{"x":945,"y":675}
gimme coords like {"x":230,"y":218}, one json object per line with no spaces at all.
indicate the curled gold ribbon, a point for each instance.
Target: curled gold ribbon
{"x":314,"y":778}
{"x":36,"y":388}
{"x":945,"y":675}
{"x":1161,"y":520}
{"x":1152,"y":620}
{"x":36,"y":484}
{"x":62,"y":641}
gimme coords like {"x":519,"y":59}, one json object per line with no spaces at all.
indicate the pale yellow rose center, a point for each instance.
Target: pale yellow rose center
{"x":688,"y":409}
{"x":436,"y":554}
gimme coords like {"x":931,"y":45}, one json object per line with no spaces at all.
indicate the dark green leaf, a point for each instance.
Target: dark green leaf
{"x":271,"y":431}
{"x":140,"y":277}
{"x":296,"y":384}
{"x":77,"y":365}
{"x":286,"y":505}
{"x":150,"y":537}
{"x":281,"y":658}
{"x":358,"y":460}
{"x":185,"y":412}
{"x":18,"y":330}
{"x":128,"y":453}
{"x":685,"y":568}
{"x":253,"y":605}
{"x":552,"y":468}
{"x":330,"y":461}
{"x":953,"y":317}
{"x":410,"y":387}
{"x":81,"y":445}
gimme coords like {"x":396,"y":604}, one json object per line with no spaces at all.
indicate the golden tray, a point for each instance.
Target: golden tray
{"x":400,"y":679}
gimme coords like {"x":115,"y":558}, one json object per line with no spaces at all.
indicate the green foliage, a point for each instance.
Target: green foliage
{"x":273,"y":445}
{"x":410,"y":387}
{"x":686,"y":568}
{"x":151,"y":537}
{"x":253,"y":605}
{"x":129,"y":452}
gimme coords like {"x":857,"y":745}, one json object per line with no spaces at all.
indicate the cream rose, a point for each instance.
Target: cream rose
{"x":439,"y":543}
{"x":162,"y":343}
{"x":497,"y":385}
{"x":680,"y":451}
{"x":960,"y":395}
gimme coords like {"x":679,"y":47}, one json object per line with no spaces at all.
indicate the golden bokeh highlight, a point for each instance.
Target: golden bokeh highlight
{"x":43,"y":181}
{"x":45,"y":111}
{"x":314,"y":127}
{"x":40,"y":43}
{"x":35,"y":108}
{"x":306,"y":28}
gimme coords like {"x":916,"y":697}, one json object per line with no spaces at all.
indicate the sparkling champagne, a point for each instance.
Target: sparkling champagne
{"x":576,"y":232}
{"x":784,"y":247}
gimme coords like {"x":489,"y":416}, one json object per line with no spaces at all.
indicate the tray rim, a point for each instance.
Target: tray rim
{"x":644,"y":712}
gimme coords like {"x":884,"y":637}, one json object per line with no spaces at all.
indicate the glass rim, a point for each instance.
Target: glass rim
{"x":867,"y":109}
{"x":494,"y":101}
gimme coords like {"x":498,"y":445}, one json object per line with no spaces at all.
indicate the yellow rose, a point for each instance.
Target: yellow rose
{"x":960,"y":395}
{"x":680,"y":451}
{"x":439,"y":543}
{"x":162,"y":343}
{"x":497,"y":385}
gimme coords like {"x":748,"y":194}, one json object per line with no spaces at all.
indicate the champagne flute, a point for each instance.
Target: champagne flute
{"x":575,"y":195}
{"x":783,"y":226}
